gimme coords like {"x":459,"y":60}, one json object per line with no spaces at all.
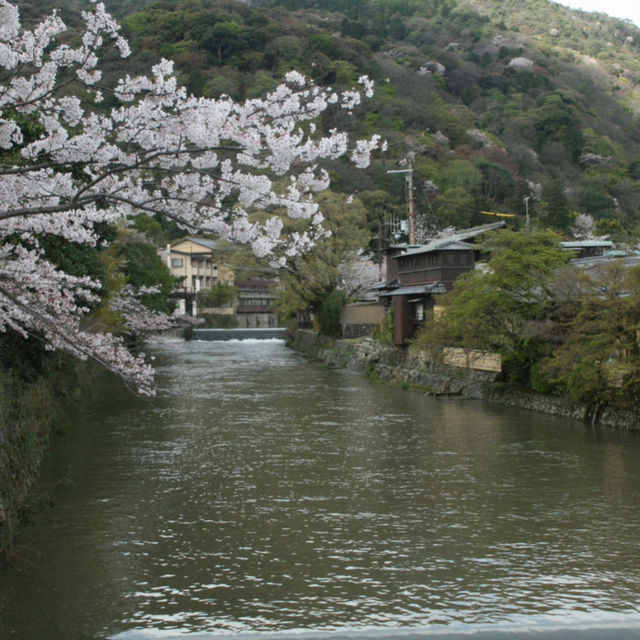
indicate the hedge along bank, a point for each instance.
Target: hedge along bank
{"x":38,"y":396}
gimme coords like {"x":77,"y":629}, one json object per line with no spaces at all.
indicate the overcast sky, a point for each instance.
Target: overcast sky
{"x":617,"y":8}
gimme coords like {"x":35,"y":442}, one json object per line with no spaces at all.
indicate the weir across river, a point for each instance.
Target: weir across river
{"x":263,"y":333}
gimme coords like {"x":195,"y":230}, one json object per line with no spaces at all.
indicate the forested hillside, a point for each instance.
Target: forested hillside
{"x":500,"y":101}
{"x":506,"y":105}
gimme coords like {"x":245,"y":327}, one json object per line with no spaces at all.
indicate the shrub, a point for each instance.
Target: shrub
{"x":329,"y":313}
{"x":540,"y":383}
{"x":383,"y":333}
{"x":218,"y":296}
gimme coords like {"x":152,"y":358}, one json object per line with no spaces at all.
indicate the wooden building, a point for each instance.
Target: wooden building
{"x":442,"y":261}
{"x":256,"y":300}
{"x":418,"y":273}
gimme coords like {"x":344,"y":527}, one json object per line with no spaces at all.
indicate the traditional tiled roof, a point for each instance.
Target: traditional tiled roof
{"x":417,"y":289}
{"x":457,"y":241}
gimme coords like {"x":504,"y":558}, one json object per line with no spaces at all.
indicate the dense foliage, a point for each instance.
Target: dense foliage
{"x":560,"y":328}
{"x":507,"y":306}
{"x":218,"y":296}
{"x":333,"y":264}
{"x":599,"y":361}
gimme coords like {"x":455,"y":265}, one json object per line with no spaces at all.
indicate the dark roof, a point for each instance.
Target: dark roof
{"x":446,"y":244}
{"x":418,"y":289}
{"x":457,"y":241}
{"x":587,"y":244}
{"x":385,"y":285}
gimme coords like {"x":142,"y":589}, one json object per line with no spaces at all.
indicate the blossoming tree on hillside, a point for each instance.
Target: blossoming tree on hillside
{"x":203,"y":163}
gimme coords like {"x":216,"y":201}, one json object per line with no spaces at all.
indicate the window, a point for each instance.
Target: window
{"x":176,"y":262}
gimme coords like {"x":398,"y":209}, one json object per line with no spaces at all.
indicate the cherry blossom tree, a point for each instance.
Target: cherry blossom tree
{"x":584,"y":227}
{"x":358,"y":274}
{"x":204,"y":163}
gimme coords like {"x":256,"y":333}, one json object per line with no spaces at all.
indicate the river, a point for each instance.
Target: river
{"x":262,"y":496}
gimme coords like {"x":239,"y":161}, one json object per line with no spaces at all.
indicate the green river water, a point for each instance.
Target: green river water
{"x":260,"y":496}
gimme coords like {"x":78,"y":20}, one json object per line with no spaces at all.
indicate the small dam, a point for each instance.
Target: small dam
{"x":266,"y":333}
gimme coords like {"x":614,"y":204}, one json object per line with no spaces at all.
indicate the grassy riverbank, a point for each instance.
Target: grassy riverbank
{"x":37,"y":390}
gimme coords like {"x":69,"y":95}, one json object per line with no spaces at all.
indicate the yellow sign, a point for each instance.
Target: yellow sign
{"x":499,"y":215}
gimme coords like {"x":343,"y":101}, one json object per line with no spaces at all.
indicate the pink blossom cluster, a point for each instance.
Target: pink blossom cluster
{"x":358,"y":273}
{"x":37,"y":298}
{"x":137,"y":317}
{"x":205,"y":163}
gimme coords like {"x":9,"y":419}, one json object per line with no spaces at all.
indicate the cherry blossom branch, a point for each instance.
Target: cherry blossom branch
{"x":203,"y":163}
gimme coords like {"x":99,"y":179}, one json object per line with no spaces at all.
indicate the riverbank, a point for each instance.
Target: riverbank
{"x":31,"y":410}
{"x":412,"y":369}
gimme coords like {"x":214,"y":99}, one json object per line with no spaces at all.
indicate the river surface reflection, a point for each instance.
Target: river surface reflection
{"x":259,"y":493}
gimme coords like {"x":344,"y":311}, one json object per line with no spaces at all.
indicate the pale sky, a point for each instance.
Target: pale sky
{"x":618,"y":8}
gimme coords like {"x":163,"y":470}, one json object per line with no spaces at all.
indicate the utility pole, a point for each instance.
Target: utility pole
{"x":380,"y":250}
{"x":526,"y":208}
{"x":409,"y":180}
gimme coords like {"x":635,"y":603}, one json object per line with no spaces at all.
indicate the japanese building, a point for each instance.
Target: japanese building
{"x":416,"y":274}
{"x":196,"y":264}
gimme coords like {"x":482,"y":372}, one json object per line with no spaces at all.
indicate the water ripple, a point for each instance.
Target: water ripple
{"x":261,"y":495}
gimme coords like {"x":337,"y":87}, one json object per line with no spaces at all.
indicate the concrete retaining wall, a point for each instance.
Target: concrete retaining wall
{"x":236,"y":334}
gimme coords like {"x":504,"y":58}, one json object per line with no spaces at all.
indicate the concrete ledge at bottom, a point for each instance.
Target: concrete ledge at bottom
{"x":278,"y":333}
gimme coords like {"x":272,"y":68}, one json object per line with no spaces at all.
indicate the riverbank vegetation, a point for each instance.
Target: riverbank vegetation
{"x":38,"y":389}
{"x":560,"y":328}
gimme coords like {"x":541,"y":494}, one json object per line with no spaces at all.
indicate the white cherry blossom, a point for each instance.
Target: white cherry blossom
{"x":203,"y":163}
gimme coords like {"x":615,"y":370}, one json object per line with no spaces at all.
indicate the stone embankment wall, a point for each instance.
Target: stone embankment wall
{"x":412,"y":367}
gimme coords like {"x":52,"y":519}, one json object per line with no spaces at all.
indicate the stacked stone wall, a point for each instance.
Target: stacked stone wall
{"x":413,"y":367}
